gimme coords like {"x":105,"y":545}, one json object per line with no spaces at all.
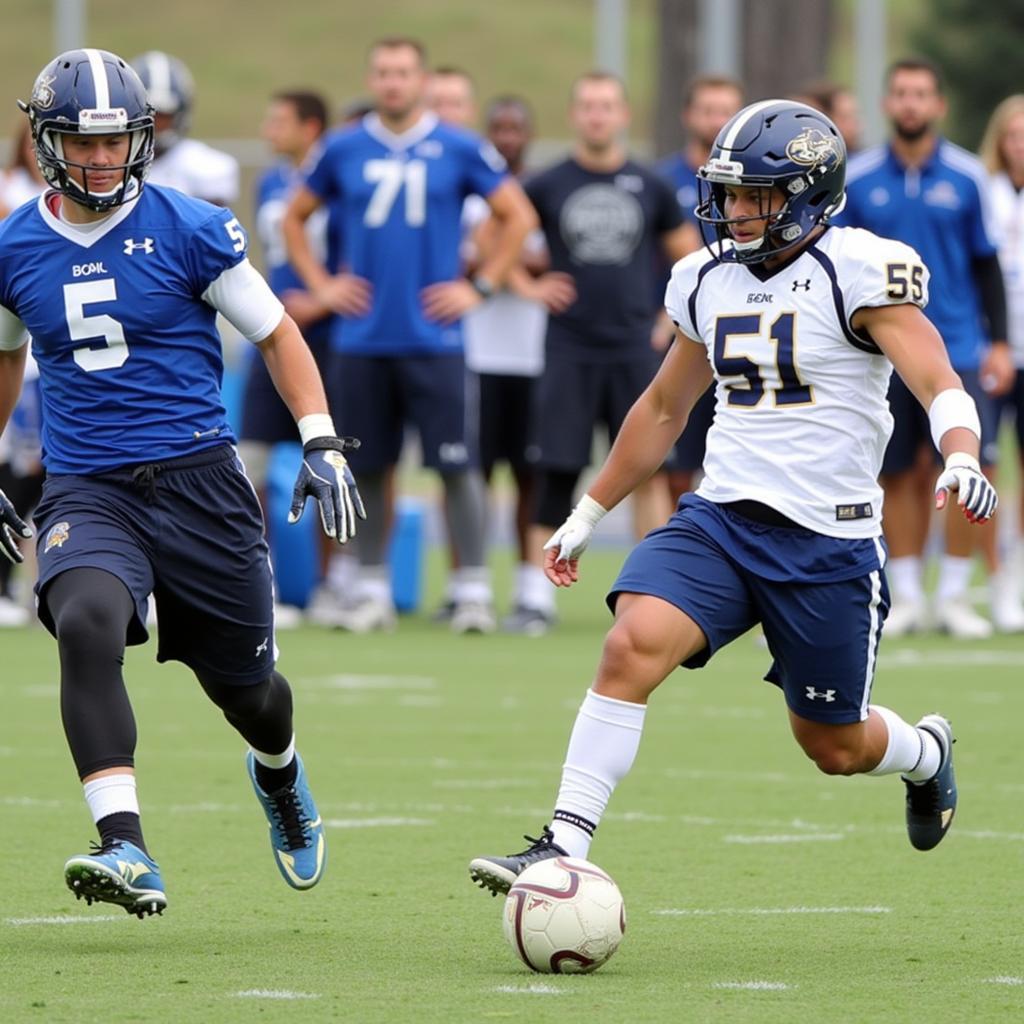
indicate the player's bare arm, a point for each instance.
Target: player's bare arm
{"x":347,"y":294}
{"x":650,"y":429}
{"x":915,"y":349}
{"x":293,"y":370}
{"x":515,"y":218}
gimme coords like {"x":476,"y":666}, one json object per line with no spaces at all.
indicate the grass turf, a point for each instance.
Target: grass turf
{"x":424,"y":750}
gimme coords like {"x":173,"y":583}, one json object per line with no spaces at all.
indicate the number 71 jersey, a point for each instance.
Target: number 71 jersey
{"x":129,"y":356}
{"x":801,"y":415}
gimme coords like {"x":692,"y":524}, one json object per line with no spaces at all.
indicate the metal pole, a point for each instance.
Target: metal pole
{"x":68,"y":24}
{"x":610,"y":36}
{"x":871,"y":54}
{"x":720,"y":37}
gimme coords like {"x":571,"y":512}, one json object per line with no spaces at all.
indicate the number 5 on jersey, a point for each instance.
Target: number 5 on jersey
{"x":84,"y":328}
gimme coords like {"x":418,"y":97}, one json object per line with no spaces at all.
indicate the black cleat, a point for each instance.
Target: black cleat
{"x":498,"y":873}
{"x":931,"y":804}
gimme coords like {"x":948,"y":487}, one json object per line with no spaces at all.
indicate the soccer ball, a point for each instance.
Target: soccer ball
{"x":564,"y":915}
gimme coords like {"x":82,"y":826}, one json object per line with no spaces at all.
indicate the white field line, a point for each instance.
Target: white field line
{"x":910,"y":657}
{"x":753,"y":986}
{"x":378,"y":822}
{"x":482,"y":783}
{"x":275,"y":993}
{"x":767,"y":911}
{"x":1004,"y":979}
{"x":538,"y":988}
{"x":371,"y":682}
{"x":803,"y":837}
{"x":18,"y":922}
{"x":28,"y":801}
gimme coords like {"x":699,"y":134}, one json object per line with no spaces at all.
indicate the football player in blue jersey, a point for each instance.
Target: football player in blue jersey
{"x":396,"y":182}
{"x":119,"y":285}
{"x":799,"y":325}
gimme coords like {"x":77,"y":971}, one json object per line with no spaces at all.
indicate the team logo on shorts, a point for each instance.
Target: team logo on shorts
{"x":812,"y":146}
{"x":56,"y":536}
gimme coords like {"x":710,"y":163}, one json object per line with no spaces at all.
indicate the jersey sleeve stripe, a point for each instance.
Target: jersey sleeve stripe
{"x":864,"y":344}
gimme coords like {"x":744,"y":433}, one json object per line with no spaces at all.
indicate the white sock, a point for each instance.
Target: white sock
{"x":375,"y":583}
{"x":906,"y":578}
{"x":522,"y":576}
{"x":471,"y":585}
{"x":342,"y":572}
{"x":111,"y":794}
{"x":954,"y":575}
{"x":602,"y":748}
{"x":913,"y":752}
{"x":281,"y":760}
{"x":536,"y":590}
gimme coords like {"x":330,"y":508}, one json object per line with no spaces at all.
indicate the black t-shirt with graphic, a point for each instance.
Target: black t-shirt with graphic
{"x":604,"y":229}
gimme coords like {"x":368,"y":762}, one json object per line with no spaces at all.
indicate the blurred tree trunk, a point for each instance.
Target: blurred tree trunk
{"x":678,"y":61}
{"x":785,"y":44}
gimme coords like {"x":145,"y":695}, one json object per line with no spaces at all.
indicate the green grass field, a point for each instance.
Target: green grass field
{"x":756,"y":889}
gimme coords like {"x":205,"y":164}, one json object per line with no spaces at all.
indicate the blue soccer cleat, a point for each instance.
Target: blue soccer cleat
{"x":296,"y":831}
{"x":119,"y":873}
{"x":932,"y":804}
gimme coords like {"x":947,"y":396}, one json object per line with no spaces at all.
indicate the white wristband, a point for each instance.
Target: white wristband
{"x":316,"y":424}
{"x":953,"y":408}
{"x":589,"y":511}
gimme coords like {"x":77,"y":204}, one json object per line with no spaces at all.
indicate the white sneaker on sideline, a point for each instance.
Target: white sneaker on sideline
{"x":1004,"y":603}
{"x":959,"y":619}
{"x":12,"y":614}
{"x":906,"y":617}
{"x":368,"y":615}
{"x":324,"y":606}
{"x":287,"y":616}
{"x":473,"y":617}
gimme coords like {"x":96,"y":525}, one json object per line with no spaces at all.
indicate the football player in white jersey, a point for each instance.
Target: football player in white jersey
{"x":186,"y":164}
{"x":799,"y":325}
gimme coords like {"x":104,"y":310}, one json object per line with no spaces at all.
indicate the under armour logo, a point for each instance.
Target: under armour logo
{"x":806,"y":285}
{"x":147,"y":245}
{"x":261,"y":648}
{"x":813,"y":694}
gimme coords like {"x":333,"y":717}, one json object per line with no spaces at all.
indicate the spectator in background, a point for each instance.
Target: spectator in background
{"x":1002,"y":153}
{"x":451,"y":94}
{"x":606,"y":219}
{"x":709,"y":102}
{"x":396,"y":183}
{"x":505,"y":349}
{"x":21,"y":466}
{"x":186,"y":164}
{"x":292,"y":126}
{"x":839,"y":104}
{"x":921,"y":189}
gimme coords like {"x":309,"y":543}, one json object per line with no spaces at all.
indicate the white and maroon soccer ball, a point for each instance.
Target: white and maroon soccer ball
{"x":564,"y":915}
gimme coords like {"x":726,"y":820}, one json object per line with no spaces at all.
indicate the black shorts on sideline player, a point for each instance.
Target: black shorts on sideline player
{"x":506,"y":419}
{"x":190,"y":531}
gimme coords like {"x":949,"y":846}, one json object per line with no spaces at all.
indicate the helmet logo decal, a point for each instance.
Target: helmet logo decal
{"x":812,"y":146}
{"x":43,"y":95}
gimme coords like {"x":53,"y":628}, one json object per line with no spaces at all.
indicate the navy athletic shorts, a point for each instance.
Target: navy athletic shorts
{"x":821,"y":600}
{"x":374,"y":397}
{"x":506,"y":419}
{"x":265,"y":417}
{"x":911,"y":430}
{"x":1011,"y":406}
{"x":190,"y":532}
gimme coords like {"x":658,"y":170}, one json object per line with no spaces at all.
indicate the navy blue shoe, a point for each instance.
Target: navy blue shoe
{"x":497,"y":874}
{"x":932,"y":804}
{"x":119,"y":873}
{"x":296,"y":831}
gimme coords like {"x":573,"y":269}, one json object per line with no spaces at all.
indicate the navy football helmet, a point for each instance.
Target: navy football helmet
{"x":90,"y":92}
{"x":171,"y":92}
{"x":773,"y":144}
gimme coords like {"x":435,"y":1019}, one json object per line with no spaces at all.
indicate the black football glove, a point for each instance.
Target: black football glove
{"x":10,"y":525}
{"x":325,"y":477}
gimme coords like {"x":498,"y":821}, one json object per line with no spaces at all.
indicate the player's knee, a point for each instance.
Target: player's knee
{"x":625,"y":664}
{"x":833,"y":758}
{"x":88,"y":625}
{"x":248,"y":702}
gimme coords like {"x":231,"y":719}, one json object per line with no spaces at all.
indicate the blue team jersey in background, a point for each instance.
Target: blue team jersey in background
{"x":683,"y":178}
{"x":129,"y":358}
{"x":273,"y":192}
{"x":398,"y":204}
{"x":940,"y":210}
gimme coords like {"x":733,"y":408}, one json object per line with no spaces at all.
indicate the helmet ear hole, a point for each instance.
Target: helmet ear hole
{"x":818,"y":198}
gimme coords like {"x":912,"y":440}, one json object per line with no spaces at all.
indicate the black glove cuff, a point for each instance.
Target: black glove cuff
{"x":336,"y":444}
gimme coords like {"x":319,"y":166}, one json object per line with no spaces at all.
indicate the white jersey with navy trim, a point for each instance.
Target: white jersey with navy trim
{"x":801,"y":419}
{"x":199,"y":171}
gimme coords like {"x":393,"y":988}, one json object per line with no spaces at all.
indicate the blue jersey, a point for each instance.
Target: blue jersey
{"x":940,"y":209}
{"x":273,"y":192}
{"x":129,"y":358}
{"x":683,"y":178}
{"x":398,"y":201}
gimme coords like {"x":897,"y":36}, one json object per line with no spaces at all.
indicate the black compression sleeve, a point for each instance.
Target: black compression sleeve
{"x":989,"y":278}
